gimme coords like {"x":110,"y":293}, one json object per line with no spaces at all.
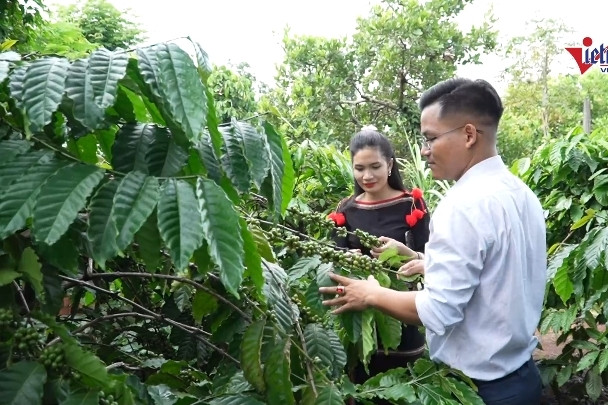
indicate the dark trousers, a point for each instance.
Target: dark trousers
{"x":521,"y":387}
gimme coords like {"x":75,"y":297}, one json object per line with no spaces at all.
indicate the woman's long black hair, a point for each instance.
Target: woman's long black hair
{"x":369,"y":138}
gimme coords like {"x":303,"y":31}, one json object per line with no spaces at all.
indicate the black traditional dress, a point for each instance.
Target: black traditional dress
{"x":387,"y":218}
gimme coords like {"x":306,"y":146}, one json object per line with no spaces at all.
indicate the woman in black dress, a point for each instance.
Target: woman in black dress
{"x":383,"y":207}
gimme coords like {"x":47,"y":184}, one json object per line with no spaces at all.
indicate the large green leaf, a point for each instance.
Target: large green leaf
{"x":183,"y":90}
{"x":256,"y":152}
{"x":329,"y":395}
{"x":222,"y":233}
{"x":90,"y":397}
{"x":106,"y":69}
{"x":17,"y":203}
{"x":17,"y":167}
{"x":464,"y":392}
{"x":149,"y":242}
{"x":597,"y":247}
{"x":149,"y":68}
{"x":251,"y":352}
{"x":80,"y":90}
{"x":338,"y":352}
{"x":389,"y":330}
{"x":277,"y":371}
{"x":208,"y":157}
{"x":9,"y":149}
{"x":92,"y":370}
{"x":593,"y":384}
{"x":318,"y":345}
{"x":253,"y":260}
{"x":234,"y":161}
{"x":179,"y":222}
{"x":61,"y":198}
{"x":102,"y":230}
{"x":234,"y":399}
{"x":135,"y":200}
{"x":202,"y":60}
{"x":43,"y":89}
{"x":278,"y":186}
{"x":147,"y":148}
{"x":22,"y":384}
{"x":368,"y":336}
{"x":276,"y":294}
{"x":16,"y":84}
{"x":562,"y":283}
{"x":213,"y":124}
{"x":132,"y":144}
{"x":30,"y":267}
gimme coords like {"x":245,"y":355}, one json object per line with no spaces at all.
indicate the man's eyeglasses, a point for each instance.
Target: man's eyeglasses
{"x":427,"y":142}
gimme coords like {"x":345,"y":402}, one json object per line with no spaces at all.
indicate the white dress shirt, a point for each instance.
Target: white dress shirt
{"x":485,"y":273}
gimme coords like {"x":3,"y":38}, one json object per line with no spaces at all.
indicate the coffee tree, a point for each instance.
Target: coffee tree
{"x":148,"y":255}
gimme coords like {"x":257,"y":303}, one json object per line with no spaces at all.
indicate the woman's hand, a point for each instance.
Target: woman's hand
{"x":351,"y":294}
{"x":412,"y":267}
{"x":388,"y":243}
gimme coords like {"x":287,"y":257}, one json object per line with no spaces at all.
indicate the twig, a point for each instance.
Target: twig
{"x":174,"y":278}
{"x":307,"y":359}
{"x":124,"y":365}
{"x":109,"y":317}
{"x":196,"y":332}
{"x":23,"y":300}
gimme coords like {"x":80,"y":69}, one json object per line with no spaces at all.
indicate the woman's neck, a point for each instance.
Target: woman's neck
{"x":379,"y":195}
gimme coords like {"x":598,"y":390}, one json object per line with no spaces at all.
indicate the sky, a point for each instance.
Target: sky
{"x":234,"y":31}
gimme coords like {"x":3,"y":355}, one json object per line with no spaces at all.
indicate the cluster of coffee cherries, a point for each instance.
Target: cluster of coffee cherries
{"x":106,"y":399}
{"x":27,"y":339}
{"x":306,"y":313}
{"x":6,"y":318}
{"x":53,"y":359}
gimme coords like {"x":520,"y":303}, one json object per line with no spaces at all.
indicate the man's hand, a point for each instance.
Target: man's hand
{"x":351,"y":294}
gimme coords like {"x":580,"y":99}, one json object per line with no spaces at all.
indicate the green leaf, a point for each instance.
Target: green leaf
{"x":202,"y":60}
{"x":280,"y":180}
{"x":221,"y":230}
{"x":16,"y":84}
{"x":306,"y":264}
{"x":464,"y":393}
{"x":90,"y":397}
{"x":252,"y":259}
{"x":183,"y":90}
{"x":161,"y":394}
{"x":389,"y":330}
{"x":85,"y":148}
{"x":17,"y":203}
{"x":7,"y":276}
{"x":596,"y":248}
{"x":203,"y":304}
{"x":278,"y":300}
{"x":92,"y":370}
{"x":17,"y":167}
{"x":338,"y":352}
{"x":251,"y":355}
{"x":106,"y":68}
{"x":264,"y":248}
{"x":603,"y":361}
{"x":256,"y":152}
{"x":212,"y":124}
{"x":165,"y":157}
{"x":149,"y":241}
{"x":564,"y":375}
{"x":61,"y":198}
{"x":208,"y":157}
{"x":593,"y":384}
{"x":43,"y":89}
{"x":277,"y":373}
{"x":329,"y":395}
{"x":131,"y":146}
{"x":53,"y":290}
{"x":135,"y":200}
{"x":234,"y":161}
{"x":179,"y":222}
{"x":102,"y":230}
{"x":30,"y":268}
{"x":318,"y":345}
{"x":587,"y":360}
{"x":22,"y":383}
{"x":322,"y":278}
{"x":79,"y":89}
{"x":352,"y":324}
{"x":562,"y":283}
{"x":238,"y":399}
{"x":9,"y":149}
{"x":368,"y":336}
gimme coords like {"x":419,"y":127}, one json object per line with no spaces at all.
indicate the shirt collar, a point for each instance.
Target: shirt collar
{"x":483,"y":168}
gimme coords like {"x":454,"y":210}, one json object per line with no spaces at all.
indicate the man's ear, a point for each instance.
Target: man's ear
{"x":471,"y":132}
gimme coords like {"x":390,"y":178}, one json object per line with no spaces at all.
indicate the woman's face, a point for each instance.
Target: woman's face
{"x":371,"y":169}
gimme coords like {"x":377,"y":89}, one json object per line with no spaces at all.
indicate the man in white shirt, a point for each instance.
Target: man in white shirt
{"x":485,"y":261}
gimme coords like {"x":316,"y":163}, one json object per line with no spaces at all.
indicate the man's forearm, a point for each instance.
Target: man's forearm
{"x":398,"y":304}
